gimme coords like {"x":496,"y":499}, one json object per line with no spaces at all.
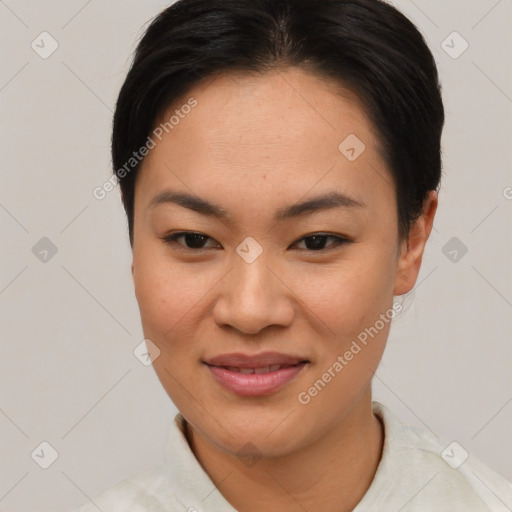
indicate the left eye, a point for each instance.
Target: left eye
{"x":196,"y":241}
{"x":316,"y":242}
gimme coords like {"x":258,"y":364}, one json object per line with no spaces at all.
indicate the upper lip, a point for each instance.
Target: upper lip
{"x":261,"y":360}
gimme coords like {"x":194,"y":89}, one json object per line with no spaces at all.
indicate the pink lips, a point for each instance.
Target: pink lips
{"x":257,"y":375}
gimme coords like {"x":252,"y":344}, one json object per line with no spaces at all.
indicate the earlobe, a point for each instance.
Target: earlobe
{"x":409,"y":263}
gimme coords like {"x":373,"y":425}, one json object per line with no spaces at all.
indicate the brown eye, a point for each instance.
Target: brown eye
{"x":317,"y":242}
{"x":192,"y":240}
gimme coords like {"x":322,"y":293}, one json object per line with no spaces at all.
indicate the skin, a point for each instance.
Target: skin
{"x":255,"y":144}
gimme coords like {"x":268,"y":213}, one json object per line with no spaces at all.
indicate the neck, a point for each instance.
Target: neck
{"x":331,"y":475}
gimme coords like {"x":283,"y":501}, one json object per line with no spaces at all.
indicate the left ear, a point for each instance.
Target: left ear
{"x":409,"y":263}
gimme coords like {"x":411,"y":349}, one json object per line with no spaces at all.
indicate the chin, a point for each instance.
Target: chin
{"x":258,"y":444}
{"x":263,"y":431}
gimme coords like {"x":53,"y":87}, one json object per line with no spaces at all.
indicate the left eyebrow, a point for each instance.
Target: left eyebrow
{"x":323,"y":202}
{"x":326,"y":201}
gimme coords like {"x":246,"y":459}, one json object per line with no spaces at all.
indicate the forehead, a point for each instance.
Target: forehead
{"x":277,"y":111}
{"x":284,"y":129}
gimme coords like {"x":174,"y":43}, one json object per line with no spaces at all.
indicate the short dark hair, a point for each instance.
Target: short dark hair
{"x":367,"y":46}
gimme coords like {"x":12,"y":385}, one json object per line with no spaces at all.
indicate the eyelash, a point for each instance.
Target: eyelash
{"x":338,"y":241}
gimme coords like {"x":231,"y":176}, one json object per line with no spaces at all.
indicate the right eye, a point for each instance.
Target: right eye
{"x":193,"y":241}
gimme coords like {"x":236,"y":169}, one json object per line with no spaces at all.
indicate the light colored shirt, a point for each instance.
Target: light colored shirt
{"x":418,"y":472}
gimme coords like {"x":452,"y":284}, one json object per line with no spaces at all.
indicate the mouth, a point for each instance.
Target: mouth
{"x":258,"y":375}
{"x":259,"y":370}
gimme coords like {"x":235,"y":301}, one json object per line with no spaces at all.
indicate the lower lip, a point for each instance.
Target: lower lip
{"x":255,"y":384}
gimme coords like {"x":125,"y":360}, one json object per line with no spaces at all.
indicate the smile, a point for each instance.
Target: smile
{"x":264,"y":369}
{"x":256,"y":381}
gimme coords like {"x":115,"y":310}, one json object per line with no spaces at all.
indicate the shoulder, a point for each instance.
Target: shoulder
{"x":426,"y":472}
{"x":148,"y":491}
{"x":173,"y":485}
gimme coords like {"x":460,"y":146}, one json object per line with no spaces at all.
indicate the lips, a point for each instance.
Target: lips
{"x":255,"y":375}
{"x":265,"y":359}
{"x":262,"y":369}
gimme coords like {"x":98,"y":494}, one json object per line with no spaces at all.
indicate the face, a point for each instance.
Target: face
{"x":259,"y":312}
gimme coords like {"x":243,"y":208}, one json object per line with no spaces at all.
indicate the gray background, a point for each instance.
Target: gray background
{"x":70,"y":321}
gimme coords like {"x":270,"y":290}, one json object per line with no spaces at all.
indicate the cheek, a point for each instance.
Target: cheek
{"x":350,"y":302}
{"x":159,"y":289}
{"x":349,"y":296}
{"x":172,"y":296}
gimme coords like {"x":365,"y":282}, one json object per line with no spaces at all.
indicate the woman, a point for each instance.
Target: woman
{"x":279,"y":162}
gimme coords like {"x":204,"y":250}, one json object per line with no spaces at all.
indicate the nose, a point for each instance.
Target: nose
{"x":252,"y":297}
